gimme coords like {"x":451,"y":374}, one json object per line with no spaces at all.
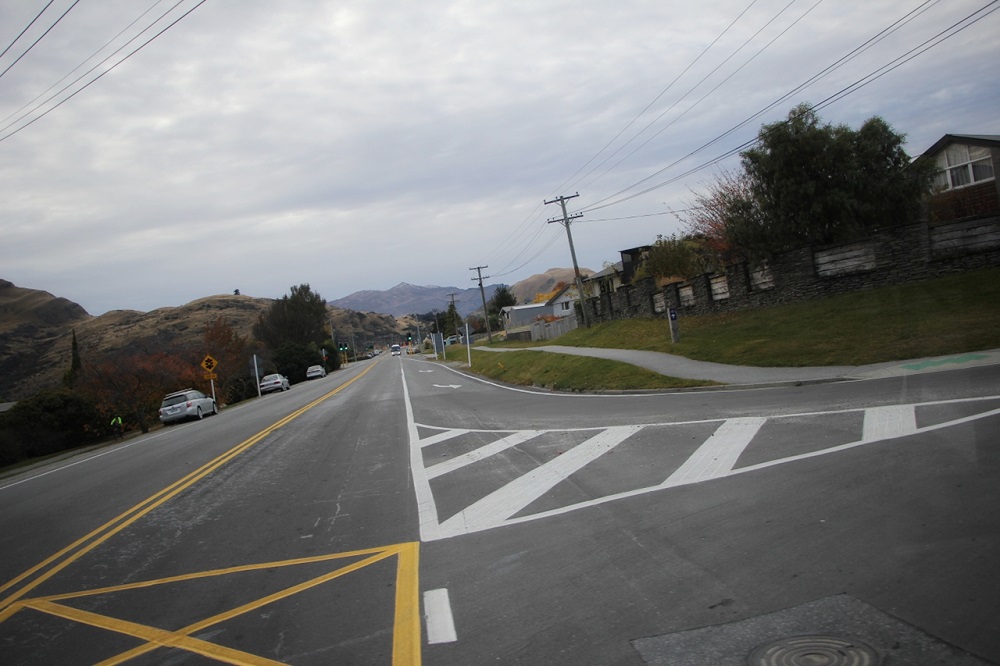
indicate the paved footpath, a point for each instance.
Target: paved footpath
{"x":679,"y":366}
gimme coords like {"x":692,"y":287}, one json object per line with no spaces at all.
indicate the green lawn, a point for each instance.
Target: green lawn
{"x":949,"y":315}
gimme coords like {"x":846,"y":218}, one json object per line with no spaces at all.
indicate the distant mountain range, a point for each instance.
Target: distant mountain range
{"x":406,"y":299}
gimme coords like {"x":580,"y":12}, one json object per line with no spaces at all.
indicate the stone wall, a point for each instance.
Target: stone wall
{"x":894,"y":256}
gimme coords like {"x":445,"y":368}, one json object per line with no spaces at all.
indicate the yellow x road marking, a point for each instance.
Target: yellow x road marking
{"x":406,"y":629}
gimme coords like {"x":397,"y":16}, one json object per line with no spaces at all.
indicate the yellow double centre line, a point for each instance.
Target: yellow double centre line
{"x":48,"y":568}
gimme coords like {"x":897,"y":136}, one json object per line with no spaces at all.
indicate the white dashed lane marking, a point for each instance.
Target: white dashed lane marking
{"x":438,"y":617}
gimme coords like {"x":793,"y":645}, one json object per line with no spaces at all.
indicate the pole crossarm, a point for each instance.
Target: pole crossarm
{"x":565,"y":221}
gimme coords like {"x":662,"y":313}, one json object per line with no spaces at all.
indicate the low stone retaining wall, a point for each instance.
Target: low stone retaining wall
{"x":894,"y":256}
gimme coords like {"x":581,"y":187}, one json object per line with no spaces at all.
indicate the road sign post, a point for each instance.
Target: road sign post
{"x":675,"y":333}
{"x":210,"y":364}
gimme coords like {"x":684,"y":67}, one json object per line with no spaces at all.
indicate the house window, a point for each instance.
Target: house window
{"x":963,"y":165}
{"x":564,"y":306}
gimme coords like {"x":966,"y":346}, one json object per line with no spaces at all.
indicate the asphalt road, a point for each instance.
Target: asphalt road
{"x":400,"y":512}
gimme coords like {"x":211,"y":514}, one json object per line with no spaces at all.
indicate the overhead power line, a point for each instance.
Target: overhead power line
{"x":736,"y":71}
{"x":88,"y":59}
{"x":655,"y":99}
{"x":940,"y":37}
{"x":695,"y":87}
{"x":26,"y":28}
{"x":816,"y":77}
{"x":99,"y":76}
{"x":40,"y":38}
{"x":508,"y":270}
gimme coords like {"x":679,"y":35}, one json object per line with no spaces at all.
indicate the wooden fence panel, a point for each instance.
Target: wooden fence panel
{"x":846,"y":259}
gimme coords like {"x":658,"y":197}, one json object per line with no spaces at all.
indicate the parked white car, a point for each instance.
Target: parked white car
{"x":186,"y":404}
{"x":315,"y":372}
{"x":274,"y":383}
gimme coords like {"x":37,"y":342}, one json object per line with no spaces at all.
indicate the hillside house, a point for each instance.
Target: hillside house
{"x":560,"y":305}
{"x":965,"y":186}
{"x":544,"y":320}
{"x":606,"y":281}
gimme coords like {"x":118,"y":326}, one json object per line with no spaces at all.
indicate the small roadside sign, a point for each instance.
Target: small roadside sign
{"x":211,"y":375}
{"x":209,"y":363}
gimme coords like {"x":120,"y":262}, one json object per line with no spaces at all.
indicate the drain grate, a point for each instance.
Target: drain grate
{"x":814,"y":651}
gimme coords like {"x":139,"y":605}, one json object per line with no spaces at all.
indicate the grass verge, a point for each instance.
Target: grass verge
{"x":949,"y":315}
{"x":564,"y":372}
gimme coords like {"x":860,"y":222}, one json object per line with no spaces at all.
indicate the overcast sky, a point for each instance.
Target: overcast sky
{"x":355,"y":145}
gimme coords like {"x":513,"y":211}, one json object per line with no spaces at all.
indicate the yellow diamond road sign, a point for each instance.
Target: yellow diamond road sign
{"x":209,"y":363}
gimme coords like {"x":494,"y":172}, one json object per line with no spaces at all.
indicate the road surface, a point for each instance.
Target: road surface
{"x":398,"y":512}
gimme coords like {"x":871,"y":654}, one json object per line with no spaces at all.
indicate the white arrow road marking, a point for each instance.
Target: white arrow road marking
{"x":451,"y":386}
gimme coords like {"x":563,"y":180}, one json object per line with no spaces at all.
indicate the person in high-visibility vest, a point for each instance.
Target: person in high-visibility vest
{"x":117,"y":427}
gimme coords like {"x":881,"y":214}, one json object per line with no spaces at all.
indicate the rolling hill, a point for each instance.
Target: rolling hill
{"x":36,"y":327}
{"x":36,"y":330}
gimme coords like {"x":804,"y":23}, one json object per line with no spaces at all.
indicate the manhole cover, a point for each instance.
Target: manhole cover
{"x":814,"y":651}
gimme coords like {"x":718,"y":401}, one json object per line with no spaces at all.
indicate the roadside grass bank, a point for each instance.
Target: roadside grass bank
{"x":563,"y":372}
{"x":949,"y":315}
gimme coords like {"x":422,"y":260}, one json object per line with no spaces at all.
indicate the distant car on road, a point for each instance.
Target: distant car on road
{"x":186,"y":404}
{"x":396,"y":351}
{"x":315,"y":372}
{"x":274,"y":383}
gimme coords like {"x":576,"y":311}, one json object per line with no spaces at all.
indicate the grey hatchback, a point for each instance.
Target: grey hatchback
{"x":186,"y":404}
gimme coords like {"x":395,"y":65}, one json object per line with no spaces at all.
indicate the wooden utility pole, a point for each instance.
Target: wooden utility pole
{"x":455,"y":310}
{"x":565,"y":221}
{"x":482,"y":294}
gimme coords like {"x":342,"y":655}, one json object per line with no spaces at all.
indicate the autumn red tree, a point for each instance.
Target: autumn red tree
{"x":708,"y":220}
{"x":133,"y":386}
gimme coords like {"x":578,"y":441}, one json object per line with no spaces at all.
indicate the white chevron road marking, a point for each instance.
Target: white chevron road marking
{"x":719,"y":453}
{"x":481,"y":453}
{"x":715,"y":458}
{"x":500,"y":505}
{"x":891,"y":421}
